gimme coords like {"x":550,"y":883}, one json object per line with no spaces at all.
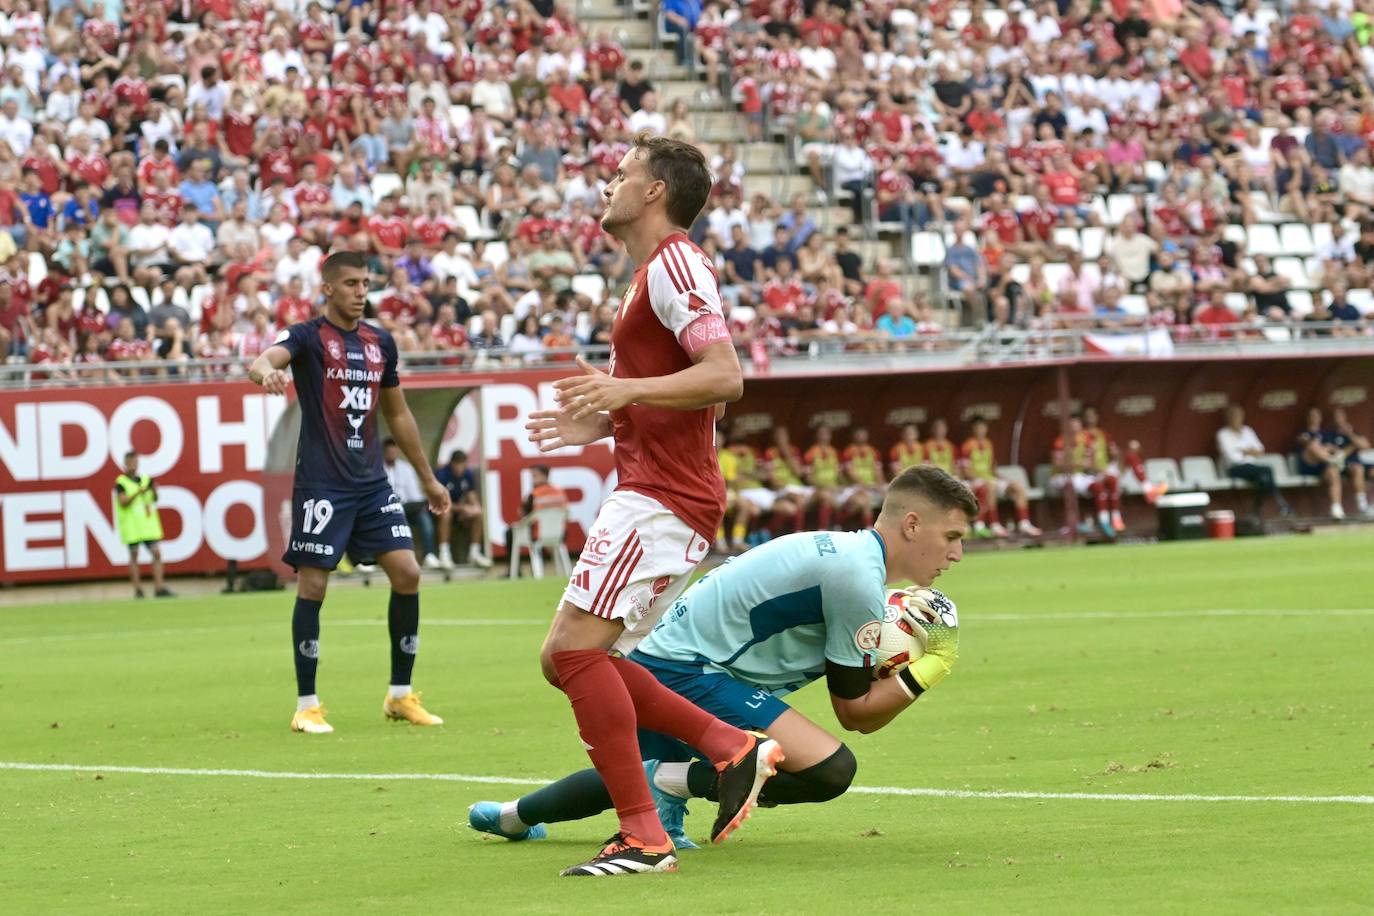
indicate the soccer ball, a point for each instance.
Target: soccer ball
{"x":902,"y":639}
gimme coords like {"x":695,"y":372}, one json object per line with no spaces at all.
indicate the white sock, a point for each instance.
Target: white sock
{"x":510,"y":820}
{"x":473,"y":551}
{"x":444,"y":552}
{"x":1362,"y":501}
{"x":396,"y":691}
{"x":304,"y":703}
{"x":672,"y":779}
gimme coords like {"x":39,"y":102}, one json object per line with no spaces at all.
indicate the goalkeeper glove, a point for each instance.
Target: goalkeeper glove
{"x":934,"y":616}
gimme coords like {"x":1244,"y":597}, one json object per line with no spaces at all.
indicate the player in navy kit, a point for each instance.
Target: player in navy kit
{"x":343,"y":371}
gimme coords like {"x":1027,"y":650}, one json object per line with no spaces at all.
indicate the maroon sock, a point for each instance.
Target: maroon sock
{"x":606,"y":721}
{"x":1099,"y":494}
{"x":660,"y":710}
{"x":1114,"y":493}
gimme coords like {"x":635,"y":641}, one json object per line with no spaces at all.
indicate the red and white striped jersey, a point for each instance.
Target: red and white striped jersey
{"x":671,"y":311}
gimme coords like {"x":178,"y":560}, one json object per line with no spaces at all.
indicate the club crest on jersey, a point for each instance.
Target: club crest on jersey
{"x":372,"y":352}
{"x":335,"y":351}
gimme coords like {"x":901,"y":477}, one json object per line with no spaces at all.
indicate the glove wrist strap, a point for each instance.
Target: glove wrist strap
{"x":908,"y":683}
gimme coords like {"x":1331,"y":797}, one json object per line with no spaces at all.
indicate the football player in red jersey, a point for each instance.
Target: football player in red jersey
{"x":672,"y":365}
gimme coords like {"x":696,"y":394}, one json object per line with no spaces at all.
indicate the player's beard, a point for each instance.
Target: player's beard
{"x":614,"y":222}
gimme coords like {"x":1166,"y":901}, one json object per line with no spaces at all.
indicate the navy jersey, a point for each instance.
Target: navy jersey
{"x":459,"y":485}
{"x":339,"y":376}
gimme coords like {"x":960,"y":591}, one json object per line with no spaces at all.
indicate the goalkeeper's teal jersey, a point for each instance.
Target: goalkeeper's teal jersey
{"x":773,"y":616}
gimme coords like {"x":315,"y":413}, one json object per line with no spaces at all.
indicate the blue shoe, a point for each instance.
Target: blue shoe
{"x":486,"y":817}
{"x":671,"y":810}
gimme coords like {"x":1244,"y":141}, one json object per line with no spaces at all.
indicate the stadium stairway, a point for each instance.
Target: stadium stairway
{"x":768,"y":167}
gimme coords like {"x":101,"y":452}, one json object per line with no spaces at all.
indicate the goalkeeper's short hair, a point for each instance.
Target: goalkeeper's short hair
{"x":933,"y":485}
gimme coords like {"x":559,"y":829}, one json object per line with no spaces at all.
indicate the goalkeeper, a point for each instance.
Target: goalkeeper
{"x":770,"y":622}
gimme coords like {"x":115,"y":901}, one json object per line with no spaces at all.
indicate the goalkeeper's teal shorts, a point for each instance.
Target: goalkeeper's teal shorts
{"x":741,"y":704}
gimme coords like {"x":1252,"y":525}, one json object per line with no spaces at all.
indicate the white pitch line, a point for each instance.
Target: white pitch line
{"x":1149,"y":615}
{"x":530,"y":622}
{"x":858,"y":790}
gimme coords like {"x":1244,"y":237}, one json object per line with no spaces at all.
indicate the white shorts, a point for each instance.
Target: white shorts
{"x":1082,"y":483}
{"x":638,"y":559}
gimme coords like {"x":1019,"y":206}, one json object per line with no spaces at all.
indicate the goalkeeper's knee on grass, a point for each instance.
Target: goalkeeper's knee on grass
{"x":820,"y":782}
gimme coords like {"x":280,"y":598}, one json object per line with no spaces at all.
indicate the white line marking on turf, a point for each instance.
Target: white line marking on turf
{"x":1147,"y":615}
{"x":530,"y":622}
{"x":859,"y":790}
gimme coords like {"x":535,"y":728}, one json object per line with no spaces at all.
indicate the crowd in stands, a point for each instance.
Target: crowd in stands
{"x":172,"y":171}
{"x":1075,"y":163}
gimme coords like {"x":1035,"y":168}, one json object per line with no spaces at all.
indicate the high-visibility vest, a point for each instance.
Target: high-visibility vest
{"x":138,"y":521}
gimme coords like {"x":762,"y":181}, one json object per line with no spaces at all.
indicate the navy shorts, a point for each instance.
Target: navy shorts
{"x":741,"y":705}
{"x":326,"y":522}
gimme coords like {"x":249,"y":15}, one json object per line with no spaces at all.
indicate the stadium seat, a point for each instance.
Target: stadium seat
{"x":1135,"y":305}
{"x":38,"y":268}
{"x":1120,"y":206}
{"x":1094,"y":240}
{"x":927,"y":249}
{"x":386,"y":183}
{"x":1294,"y":271}
{"x":1362,"y":299}
{"x":1017,"y":474}
{"x":1322,"y":235}
{"x":1300,"y":301}
{"x":498,"y":253}
{"x":1283,"y":474}
{"x":1164,"y":470}
{"x":1054,"y":273}
{"x":471,"y":224}
{"x":1296,"y":240}
{"x":1200,"y":473}
{"x":1263,"y":239}
{"x":593,"y":286}
{"x":1291,"y":459}
{"x":552,"y":525}
{"x":1237,"y":302}
{"x":1067,"y":237}
{"x":1043,"y":473}
{"x":1234,"y":233}
{"x":508,"y":327}
{"x":1155,"y":172}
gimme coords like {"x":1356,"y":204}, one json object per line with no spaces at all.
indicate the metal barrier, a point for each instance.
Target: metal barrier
{"x":800,"y":353}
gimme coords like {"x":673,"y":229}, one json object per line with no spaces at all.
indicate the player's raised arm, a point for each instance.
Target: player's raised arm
{"x":401,"y":422}
{"x":269,"y":369}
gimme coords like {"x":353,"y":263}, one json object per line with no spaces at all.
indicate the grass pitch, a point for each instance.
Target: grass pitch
{"x":1241,"y":668}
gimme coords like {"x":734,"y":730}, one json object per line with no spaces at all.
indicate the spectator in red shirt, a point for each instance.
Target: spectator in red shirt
{"x":1213,"y":317}
{"x":1065,"y":188}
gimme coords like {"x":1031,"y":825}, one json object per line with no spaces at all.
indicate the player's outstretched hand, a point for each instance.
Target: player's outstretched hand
{"x":592,"y":392}
{"x":274,"y":381}
{"x":553,"y":429}
{"x":439,"y":500}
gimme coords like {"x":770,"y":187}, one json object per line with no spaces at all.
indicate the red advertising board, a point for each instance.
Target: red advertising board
{"x":222,"y":453}
{"x":60,"y":452}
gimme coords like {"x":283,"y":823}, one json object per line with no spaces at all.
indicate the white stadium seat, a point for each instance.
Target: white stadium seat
{"x":1017,"y":474}
{"x":1296,"y":240}
{"x":927,"y":249}
{"x":1200,"y":473}
{"x":1263,"y":239}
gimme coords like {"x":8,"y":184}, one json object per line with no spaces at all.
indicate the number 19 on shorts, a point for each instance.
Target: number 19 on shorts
{"x":316,"y":513}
